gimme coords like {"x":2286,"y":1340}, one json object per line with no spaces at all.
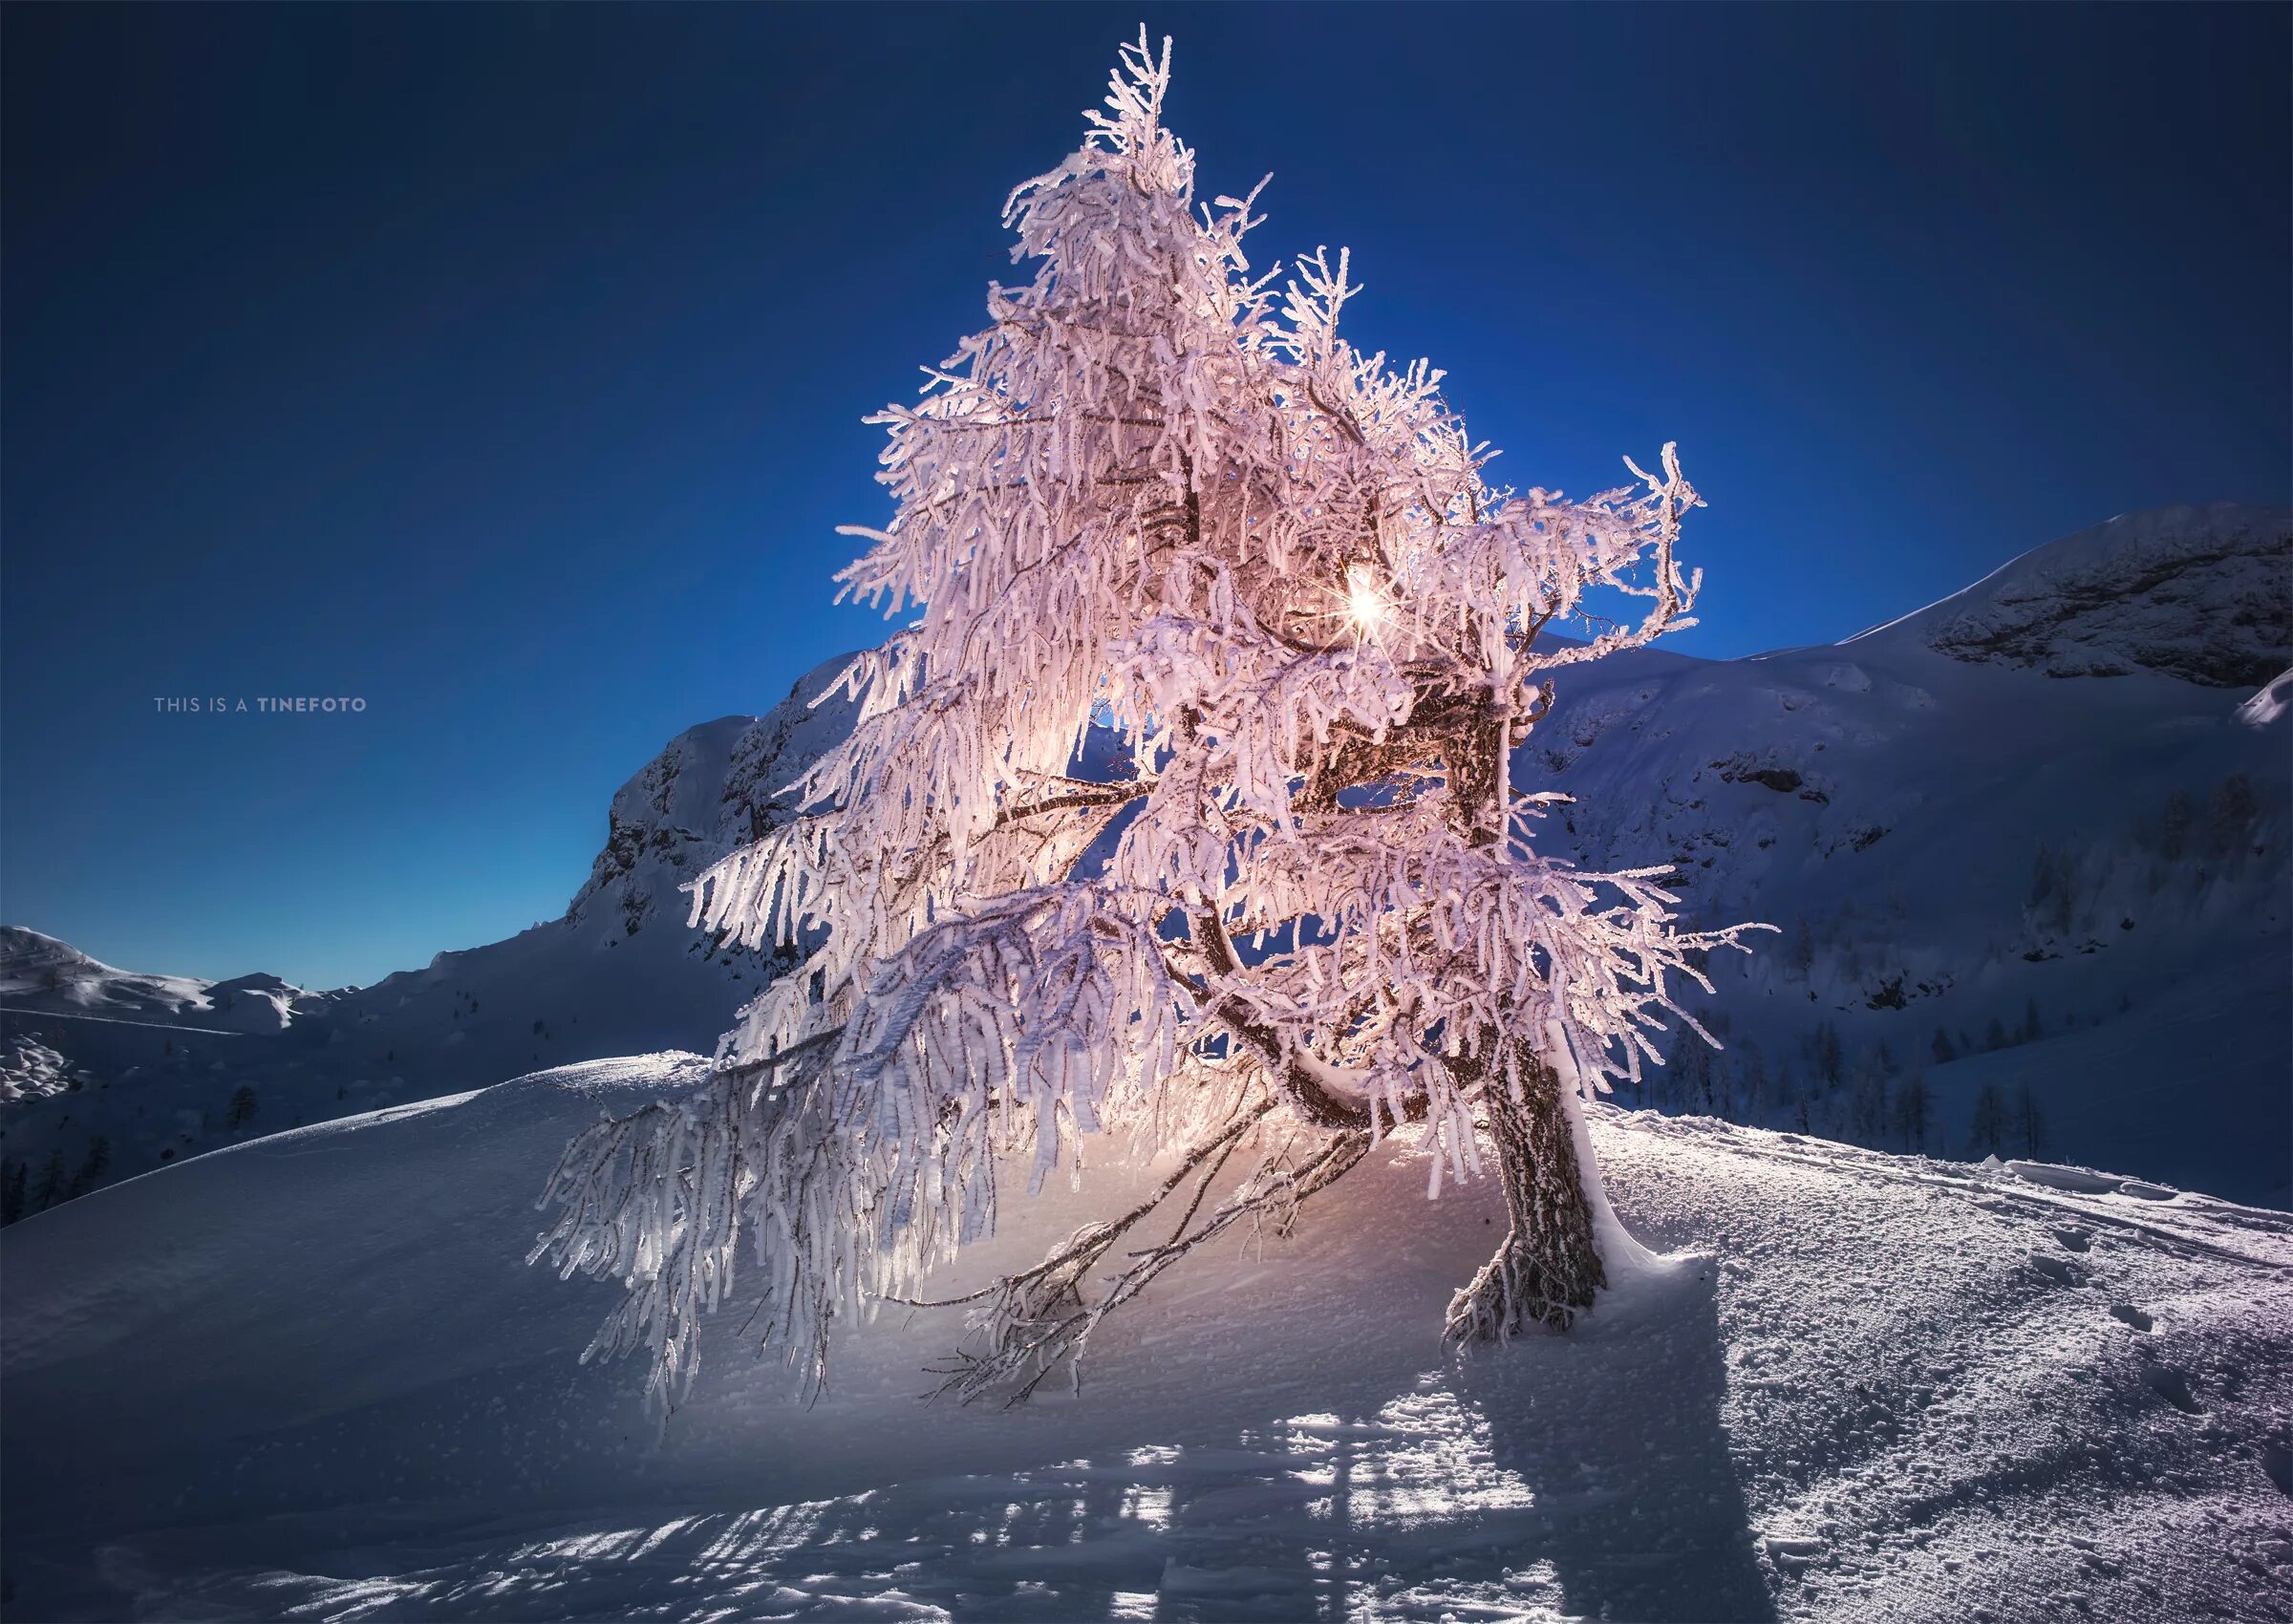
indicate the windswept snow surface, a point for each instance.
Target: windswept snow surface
{"x":308,"y":1376}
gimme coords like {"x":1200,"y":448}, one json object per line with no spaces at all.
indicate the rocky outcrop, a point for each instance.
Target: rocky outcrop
{"x":2204,"y":595}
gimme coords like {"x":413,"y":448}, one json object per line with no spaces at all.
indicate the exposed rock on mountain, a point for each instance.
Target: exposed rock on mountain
{"x":2203,"y":595}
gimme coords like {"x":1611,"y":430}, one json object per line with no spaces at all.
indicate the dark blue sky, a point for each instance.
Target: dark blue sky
{"x":503,"y":366}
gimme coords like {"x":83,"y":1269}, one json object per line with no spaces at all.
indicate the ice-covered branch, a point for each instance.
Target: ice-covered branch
{"x":1157,"y":507}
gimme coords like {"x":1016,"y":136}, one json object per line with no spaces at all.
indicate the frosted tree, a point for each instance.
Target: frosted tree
{"x":1161,"y":504}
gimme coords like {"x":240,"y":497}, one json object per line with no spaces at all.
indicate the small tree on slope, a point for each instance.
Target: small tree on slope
{"x":1303,"y":915}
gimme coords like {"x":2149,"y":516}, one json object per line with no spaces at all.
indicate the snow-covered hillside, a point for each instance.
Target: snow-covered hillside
{"x":2056,"y":885}
{"x":38,"y":972}
{"x":2030,"y":864}
{"x":1862,"y":1387}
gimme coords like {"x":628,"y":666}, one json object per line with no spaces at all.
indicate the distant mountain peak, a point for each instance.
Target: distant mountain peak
{"x":2203,"y":595}
{"x":710,"y":790}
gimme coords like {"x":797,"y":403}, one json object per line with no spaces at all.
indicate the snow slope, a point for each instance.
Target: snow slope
{"x":310,"y":1376}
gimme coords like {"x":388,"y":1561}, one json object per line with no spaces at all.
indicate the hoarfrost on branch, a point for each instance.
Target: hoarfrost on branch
{"x":1161,"y":497}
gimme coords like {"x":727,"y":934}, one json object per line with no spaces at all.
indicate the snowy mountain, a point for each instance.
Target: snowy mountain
{"x":40,"y":972}
{"x":105,"y":1073}
{"x":2054,"y":858}
{"x":2197,"y":594}
{"x":2028,"y":863}
{"x":1859,"y":1387}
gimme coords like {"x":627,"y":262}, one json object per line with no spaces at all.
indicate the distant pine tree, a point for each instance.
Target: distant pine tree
{"x":1987,"y":1130}
{"x":2028,"y":1127}
{"x":1914,"y":1107}
{"x":2173,"y":827}
{"x":2229,"y":813}
{"x":1831,"y":1060}
{"x":2042,"y":879}
{"x":242,"y":1109}
{"x":99,"y":1159}
{"x":1755,"y":1079}
{"x":1870,"y":1113}
{"x":51,"y":1180}
{"x":1944,"y":1054}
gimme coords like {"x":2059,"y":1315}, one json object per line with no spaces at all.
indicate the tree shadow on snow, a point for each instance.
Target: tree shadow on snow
{"x":1586,"y":1474}
{"x":1616,"y":1429}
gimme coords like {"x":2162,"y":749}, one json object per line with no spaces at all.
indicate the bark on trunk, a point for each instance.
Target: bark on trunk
{"x":1549,"y":1266}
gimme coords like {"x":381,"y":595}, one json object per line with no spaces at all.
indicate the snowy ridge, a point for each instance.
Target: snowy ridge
{"x":38,"y":972}
{"x":1861,"y":1386}
{"x":2201,"y":593}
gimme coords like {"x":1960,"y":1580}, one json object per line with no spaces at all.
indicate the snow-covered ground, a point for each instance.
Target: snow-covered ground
{"x":310,"y":1376}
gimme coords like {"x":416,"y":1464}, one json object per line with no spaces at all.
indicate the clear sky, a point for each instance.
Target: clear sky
{"x":502,"y":366}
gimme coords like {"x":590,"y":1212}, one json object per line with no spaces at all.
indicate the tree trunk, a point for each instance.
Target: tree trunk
{"x":1549,"y":1266}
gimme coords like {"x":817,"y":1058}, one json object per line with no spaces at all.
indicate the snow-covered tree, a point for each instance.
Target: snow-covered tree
{"x":1160,"y":503}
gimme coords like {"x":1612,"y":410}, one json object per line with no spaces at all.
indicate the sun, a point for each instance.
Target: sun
{"x":1366,"y":607}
